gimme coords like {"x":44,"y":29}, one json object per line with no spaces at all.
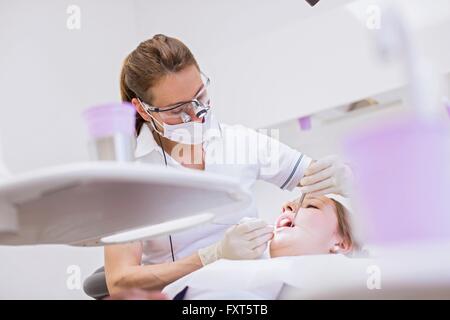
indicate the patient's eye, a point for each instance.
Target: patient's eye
{"x":311,"y":206}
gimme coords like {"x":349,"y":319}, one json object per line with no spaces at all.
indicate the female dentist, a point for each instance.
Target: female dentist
{"x":175,"y":127}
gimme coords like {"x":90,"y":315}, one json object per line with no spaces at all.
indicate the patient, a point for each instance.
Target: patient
{"x":321,"y":226}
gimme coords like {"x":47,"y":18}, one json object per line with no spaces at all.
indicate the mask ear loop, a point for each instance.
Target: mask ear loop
{"x":165,"y":162}
{"x":161,"y":144}
{"x":150,"y":115}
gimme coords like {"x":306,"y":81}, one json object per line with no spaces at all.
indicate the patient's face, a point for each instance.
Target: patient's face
{"x":314,"y":231}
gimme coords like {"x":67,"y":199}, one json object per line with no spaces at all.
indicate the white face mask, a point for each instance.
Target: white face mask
{"x":189,"y":132}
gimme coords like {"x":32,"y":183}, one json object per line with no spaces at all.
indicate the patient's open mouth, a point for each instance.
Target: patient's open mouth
{"x":284,"y":221}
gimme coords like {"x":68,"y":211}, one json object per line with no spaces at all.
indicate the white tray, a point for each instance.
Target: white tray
{"x":79,"y":204}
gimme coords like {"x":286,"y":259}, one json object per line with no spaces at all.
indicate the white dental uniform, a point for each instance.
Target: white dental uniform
{"x":234,"y":151}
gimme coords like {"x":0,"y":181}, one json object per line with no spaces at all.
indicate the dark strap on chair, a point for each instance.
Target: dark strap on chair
{"x":180,"y":295}
{"x":95,"y":285}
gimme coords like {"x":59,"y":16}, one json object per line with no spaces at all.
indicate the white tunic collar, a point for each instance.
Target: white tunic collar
{"x":145,"y":142}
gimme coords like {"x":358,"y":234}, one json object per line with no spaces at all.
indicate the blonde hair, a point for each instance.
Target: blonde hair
{"x":345,"y":227}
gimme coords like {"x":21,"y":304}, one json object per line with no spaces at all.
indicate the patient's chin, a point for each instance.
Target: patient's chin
{"x":288,"y":243}
{"x":281,"y":246}
{"x":274,"y":252}
{"x":280,"y":251}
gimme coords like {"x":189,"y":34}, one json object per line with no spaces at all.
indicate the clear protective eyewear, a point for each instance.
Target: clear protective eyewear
{"x":184,"y":111}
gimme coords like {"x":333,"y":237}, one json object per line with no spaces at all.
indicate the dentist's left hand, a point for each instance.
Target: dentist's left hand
{"x":327,"y":175}
{"x":246,"y":240}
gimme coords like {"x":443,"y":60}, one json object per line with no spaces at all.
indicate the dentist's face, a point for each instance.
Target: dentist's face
{"x":314,"y":231}
{"x":172,"y":89}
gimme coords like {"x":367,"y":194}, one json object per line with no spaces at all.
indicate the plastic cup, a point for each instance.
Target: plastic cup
{"x":402,"y":183}
{"x":305,"y":123}
{"x":112,"y":131}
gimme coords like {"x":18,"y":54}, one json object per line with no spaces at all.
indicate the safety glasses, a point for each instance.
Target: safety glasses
{"x":184,"y":111}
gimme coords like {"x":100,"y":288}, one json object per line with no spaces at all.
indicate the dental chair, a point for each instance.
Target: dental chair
{"x":95,"y":285}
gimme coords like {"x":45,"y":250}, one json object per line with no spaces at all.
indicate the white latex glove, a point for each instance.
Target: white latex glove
{"x":246,"y":240}
{"x":327,"y":175}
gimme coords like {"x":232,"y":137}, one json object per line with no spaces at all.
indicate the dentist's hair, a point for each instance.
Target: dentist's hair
{"x":150,"y":62}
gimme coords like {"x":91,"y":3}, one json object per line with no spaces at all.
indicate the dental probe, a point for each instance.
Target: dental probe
{"x":300,"y":202}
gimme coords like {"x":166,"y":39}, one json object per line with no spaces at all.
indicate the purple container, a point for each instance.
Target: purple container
{"x":109,"y":119}
{"x":305,"y":123}
{"x":112,"y":131}
{"x":403,"y":181}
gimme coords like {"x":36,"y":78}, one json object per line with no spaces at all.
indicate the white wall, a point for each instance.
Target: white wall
{"x":301,"y":63}
{"x":48,"y":76}
{"x":280,"y":48}
{"x":46,"y":272}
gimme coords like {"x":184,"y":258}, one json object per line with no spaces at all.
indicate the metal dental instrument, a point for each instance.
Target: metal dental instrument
{"x":300,"y":202}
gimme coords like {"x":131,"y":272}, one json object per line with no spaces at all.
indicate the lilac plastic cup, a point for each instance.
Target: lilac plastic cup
{"x":403,"y":181}
{"x":109,"y":119}
{"x":111,"y":127}
{"x":305,"y":123}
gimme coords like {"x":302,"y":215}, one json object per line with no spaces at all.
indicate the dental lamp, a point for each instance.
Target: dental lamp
{"x":312,"y":3}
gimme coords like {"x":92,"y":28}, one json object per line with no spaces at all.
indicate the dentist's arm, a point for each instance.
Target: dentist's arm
{"x":123,"y":269}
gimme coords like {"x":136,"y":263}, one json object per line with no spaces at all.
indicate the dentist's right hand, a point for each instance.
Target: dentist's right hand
{"x":246,"y":240}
